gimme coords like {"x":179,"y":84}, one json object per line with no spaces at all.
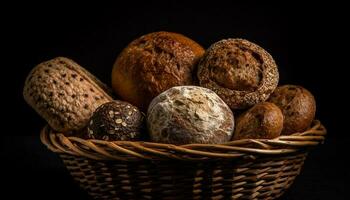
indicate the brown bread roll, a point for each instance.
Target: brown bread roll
{"x":298,"y":107}
{"x":189,"y":114}
{"x":116,"y":120}
{"x":64,"y":93}
{"x":239,"y":71}
{"x":262,"y":121}
{"x":152,"y":64}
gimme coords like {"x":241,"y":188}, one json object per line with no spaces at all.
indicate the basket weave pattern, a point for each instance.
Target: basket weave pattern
{"x":242,"y":169}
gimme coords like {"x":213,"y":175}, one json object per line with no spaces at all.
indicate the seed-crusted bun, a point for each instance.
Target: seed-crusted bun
{"x":262,"y":121}
{"x":64,"y":93}
{"x":152,"y":64}
{"x":298,"y":107}
{"x":116,"y":120}
{"x":240,"y":72}
{"x":189,"y":114}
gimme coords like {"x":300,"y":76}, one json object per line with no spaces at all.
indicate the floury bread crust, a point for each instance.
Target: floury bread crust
{"x":64,"y":93}
{"x":240,"y":72}
{"x":189,"y":114}
{"x":152,"y":64}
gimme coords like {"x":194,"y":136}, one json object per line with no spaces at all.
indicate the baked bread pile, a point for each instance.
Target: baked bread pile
{"x":166,"y":88}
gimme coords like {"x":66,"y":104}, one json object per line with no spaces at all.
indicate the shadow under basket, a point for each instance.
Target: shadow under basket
{"x":242,"y":169}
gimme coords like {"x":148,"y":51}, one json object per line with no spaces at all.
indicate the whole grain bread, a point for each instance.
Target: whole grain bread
{"x":64,"y":93}
{"x":116,"y":120}
{"x":240,"y":72}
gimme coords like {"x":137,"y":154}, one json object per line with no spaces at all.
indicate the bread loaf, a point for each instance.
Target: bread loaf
{"x":152,"y":64}
{"x":64,"y":93}
{"x":189,"y":114}
{"x":298,"y":107}
{"x":262,"y":121}
{"x":240,"y":72}
{"x":116,"y":120}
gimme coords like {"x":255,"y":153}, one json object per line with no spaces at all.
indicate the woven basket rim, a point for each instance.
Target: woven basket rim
{"x":141,"y":150}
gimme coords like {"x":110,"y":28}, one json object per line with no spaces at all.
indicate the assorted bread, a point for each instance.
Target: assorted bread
{"x":171,"y":90}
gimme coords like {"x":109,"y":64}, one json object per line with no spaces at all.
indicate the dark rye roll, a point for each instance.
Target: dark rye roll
{"x":152,"y":64}
{"x":116,"y":120}
{"x":298,"y":107}
{"x":240,"y":72}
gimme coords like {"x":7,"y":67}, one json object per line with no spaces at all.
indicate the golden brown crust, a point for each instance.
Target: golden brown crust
{"x":298,"y":107}
{"x":152,"y":64}
{"x":262,"y":121}
{"x":239,"y":71}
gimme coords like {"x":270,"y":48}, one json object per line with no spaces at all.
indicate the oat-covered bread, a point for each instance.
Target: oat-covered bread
{"x":262,"y":121}
{"x":116,"y":120}
{"x":189,"y":114}
{"x":298,"y":107}
{"x":152,"y":64}
{"x":240,"y":72}
{"x":64,"y":93}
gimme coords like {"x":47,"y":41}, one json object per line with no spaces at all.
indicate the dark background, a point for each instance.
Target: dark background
{"x":305,"y":40}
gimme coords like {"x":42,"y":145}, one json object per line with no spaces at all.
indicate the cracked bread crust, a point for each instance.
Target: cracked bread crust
{"x":240,"y":72}
{"x":189,"y":114}
{"x":152,"y":64}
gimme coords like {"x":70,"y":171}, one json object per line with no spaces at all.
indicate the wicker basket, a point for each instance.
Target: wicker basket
{"x":243,"y":169}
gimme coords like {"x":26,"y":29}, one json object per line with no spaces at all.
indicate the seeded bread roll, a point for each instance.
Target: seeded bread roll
{"x":298,"y":107}
{"x":262,"y":121}
{"x":239,"y":71}
{"x":116,"y":120}
{"x":152,"y":64}
{"x":189,"y":114}
{"x":64,"y":93}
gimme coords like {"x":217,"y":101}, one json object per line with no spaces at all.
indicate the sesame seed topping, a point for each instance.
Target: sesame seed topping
{"x":124,"y":124}
{"x":129,"y":113}
{"x":118,"y":121}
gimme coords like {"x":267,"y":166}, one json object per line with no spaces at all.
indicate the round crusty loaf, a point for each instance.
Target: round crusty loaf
{"x":298,"y":107}
{"x":152,"y":64}
{"x":189,"y":114}
{"x":64,"y":93}
{"x":116,"y":120}
{"x":262,"y":121}
{"x":239,"y":71}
